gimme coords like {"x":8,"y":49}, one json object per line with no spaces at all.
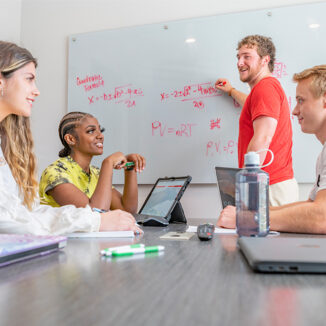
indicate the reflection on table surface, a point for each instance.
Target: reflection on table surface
{"x":190,"y":283}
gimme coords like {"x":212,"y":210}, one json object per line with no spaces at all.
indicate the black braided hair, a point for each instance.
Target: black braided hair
{"x":67,"y":125}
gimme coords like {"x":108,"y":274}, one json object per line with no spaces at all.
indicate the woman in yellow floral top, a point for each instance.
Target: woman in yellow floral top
{"x":72,"y":180}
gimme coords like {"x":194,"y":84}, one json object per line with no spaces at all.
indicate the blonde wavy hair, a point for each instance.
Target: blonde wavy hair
{"x":16,"y":137}
{"x":318,"y":81}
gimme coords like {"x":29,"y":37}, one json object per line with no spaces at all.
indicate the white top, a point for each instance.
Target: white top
{"x":42,"y":220}
{"x":320,"y":183}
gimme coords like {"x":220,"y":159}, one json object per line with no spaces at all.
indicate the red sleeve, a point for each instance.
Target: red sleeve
{"x":266,"y":100}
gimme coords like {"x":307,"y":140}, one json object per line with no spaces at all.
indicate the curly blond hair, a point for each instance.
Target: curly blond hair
{"x":318,"y":81}
{"x":264,"y":46}
{"x":16,"y":137}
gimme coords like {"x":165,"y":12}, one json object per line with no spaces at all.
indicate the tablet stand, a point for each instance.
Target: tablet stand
{"x":178,"y":215}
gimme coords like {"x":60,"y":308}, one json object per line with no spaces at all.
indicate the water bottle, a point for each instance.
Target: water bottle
{"x":252,"y":198}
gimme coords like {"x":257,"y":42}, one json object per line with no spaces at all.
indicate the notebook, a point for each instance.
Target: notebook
{"x":107,"y":234}
{"x":163,"y":201}
{"x":285,"y":255}
{"x":17,"y":247}
{"x":226,"y":184}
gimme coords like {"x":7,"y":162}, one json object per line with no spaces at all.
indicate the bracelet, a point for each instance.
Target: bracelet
{"x":230,"y":91}
{"x":98,"y":210}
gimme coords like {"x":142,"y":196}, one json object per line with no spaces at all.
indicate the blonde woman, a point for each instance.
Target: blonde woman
{"x":20,"y":211}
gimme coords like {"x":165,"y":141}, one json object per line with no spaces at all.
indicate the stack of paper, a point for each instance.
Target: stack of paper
{"x":109,"y":234}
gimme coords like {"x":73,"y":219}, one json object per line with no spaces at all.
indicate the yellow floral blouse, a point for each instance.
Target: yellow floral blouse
{"x":66,"y":170}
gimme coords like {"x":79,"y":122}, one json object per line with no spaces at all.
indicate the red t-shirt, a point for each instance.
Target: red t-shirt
{"x":267,"y":98}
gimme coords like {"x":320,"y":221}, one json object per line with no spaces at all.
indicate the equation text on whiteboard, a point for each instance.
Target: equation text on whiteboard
{"x":163,"y":129}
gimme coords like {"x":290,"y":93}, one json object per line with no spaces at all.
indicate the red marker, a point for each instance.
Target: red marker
{"x":221,"y":83}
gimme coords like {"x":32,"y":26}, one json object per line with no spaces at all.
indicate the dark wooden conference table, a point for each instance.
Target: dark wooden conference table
{"x":191,"y":283}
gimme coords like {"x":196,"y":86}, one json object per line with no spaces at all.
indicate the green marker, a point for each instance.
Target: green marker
{"x":130,"y":165}
{"x":133,"y":251}
{"x":108,"y":251}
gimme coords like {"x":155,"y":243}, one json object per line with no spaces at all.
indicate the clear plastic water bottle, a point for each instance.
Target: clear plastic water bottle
{"x":252,"y":198}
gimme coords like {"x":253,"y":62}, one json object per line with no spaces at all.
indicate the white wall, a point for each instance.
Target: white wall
{"x":45,"y":27}
{"x":10,"y":22}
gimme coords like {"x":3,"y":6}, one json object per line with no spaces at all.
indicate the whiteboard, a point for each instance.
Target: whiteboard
{"x":152,"y":87}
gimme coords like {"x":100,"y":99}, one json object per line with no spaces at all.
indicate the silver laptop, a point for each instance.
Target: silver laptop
{"x":285,"y":255}
{"x":226,"y":184}
{"x":17,"y":247}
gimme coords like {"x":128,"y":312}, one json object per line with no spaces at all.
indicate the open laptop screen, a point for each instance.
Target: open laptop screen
{"x":164,"y":196}
{"x":226,"y":184}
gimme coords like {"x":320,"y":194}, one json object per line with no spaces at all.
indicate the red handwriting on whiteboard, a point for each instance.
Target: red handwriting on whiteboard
{"x":121,"y":94}
{"x":184,"y":129}
{"x":236,"y":104}
{"x":199,"y":105}
{"x":164,"y":96}
{"x":195,"y":93}
{"x":290,"y":107}
{"x":219,"y":147}
{"x":215,"y":124}
{"x":279,"y":70}
{"x":290,"y":102}
{"x":90,"y":82}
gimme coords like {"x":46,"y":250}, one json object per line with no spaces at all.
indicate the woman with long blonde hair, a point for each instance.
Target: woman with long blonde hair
{"x":20,"y":211}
